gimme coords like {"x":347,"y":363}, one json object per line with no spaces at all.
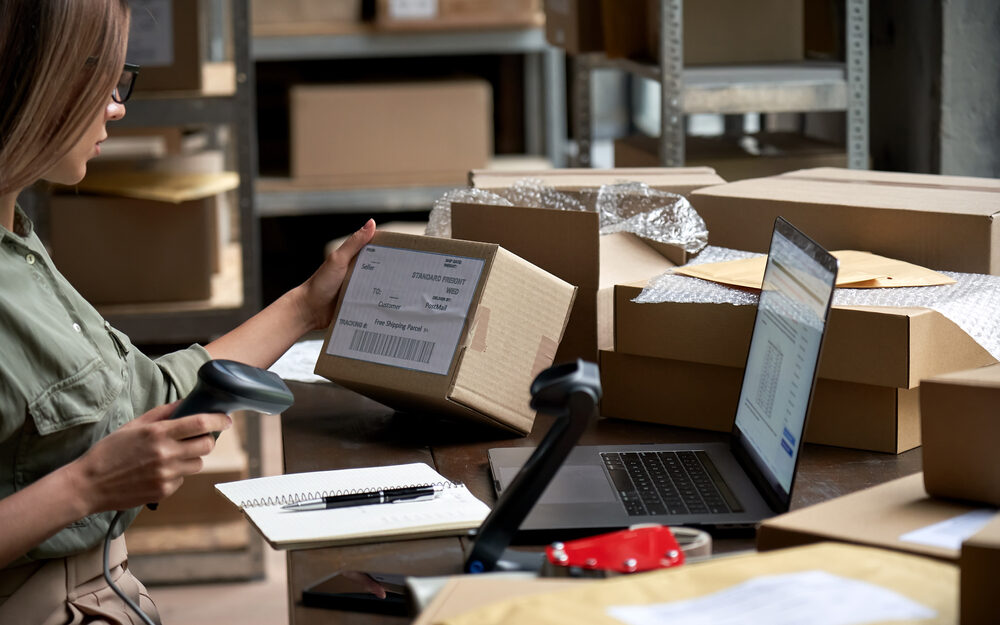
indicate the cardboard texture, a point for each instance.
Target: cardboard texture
{"x":574,"y":25}
{"x":881,"y":346}
{"x":444,"y":14}
{"x":679,"y":180}
{"x":961,"y":427}
{"x":769,"y":154}
{"x":875,"y":516}
{"x":716,"y":32}
{"x":514,"y":323}
{"x":927,"y":582}
{"x":579,"y":256}
{"x":979,"y":562}
{"x":117,"y":250}
{"x":165,"y":38}
{"x":390,"y":134}
{"x":939,"y":222}
{"x":295,"y":16}
{"x":466,"y":592}
{"x":703,"y":396}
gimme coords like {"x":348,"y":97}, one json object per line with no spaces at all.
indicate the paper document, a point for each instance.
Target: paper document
{"x":952,"y":533}
{"x":299,"y":362}
{"x":814,"y":597}
{"x":858,"y":270}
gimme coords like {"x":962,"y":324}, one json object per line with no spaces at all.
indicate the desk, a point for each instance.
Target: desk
{"x":333,"y":428}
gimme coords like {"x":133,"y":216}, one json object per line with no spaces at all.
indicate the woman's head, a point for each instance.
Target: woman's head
{"x":61,"y":61}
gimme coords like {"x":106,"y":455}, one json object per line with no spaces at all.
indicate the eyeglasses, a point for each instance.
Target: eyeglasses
{"x":123,"y":90}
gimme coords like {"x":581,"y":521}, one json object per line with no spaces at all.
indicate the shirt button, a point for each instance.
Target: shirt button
{"x":76,"y":326}
{"x":30,"y":259}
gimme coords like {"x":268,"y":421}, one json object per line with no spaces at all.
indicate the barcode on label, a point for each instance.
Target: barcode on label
{"x":392,"y":346}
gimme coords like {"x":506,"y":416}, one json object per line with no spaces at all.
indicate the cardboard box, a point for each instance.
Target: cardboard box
{"x":166,"y":39}
{"x":879,"y":516}
{"x":451,"y":327}
{"x":940,"y":222}
{"x":579,"y":255}
{"x":392,"y":134}
{"x":881,"y":346}
{"x":703,"y":396}
{"x":715,"y":31}
{"x":961,"y":427}
{"x":445,"y":14}
{"x":304,"y":17}
{"x":734,"y":159}
{"x":576,"y":182}
{"x":575,"y":25}
{"x":117,"y":250}
{"x":979,"y":562}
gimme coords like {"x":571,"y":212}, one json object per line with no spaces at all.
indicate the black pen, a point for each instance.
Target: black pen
{"x":388,"y":495}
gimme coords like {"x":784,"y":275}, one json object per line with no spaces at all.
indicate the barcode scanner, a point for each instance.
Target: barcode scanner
{"x":223,"y":386}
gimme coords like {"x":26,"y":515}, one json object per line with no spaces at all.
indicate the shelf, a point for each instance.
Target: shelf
{"x":778,"y":88}
{"x":381,"y":44}
{"x":277,"y":198}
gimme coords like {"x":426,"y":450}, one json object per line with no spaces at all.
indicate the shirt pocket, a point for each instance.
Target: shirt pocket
{"x":67,"y":418}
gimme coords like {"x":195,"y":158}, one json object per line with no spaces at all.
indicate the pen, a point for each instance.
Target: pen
{"x":388,"y":495}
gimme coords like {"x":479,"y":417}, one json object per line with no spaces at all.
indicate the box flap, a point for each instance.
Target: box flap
{"x":523,"y":311}
{"x":675,"y":179}
{"x":626,"y":258}
{"x":564,"y":243}
{"x":876,"y":516}
{"x":987,"y":377}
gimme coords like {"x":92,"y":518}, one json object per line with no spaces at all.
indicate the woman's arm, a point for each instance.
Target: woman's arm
{"x":263,"y":338}
{"x":142,"y":462}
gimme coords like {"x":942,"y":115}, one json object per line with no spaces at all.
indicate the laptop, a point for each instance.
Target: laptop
{"x":732,"y":484}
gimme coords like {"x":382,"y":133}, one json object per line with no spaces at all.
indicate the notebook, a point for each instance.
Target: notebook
{"x":454,"y":511}
{"x":734,"y":484}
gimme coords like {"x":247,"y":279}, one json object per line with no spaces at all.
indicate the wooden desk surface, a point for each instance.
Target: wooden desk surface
{"x":332,"y":428}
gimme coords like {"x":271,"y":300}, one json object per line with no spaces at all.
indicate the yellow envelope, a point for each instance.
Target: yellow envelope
{"x":858,"y":270}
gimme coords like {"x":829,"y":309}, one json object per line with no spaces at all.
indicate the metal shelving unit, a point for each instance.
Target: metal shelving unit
{"x":778,"y":88}
{"x":544,"y":100}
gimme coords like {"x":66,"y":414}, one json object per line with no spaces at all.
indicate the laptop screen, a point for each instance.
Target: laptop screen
{"x":783,"y":356}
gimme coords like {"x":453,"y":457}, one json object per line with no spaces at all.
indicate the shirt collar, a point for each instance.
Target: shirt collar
{"x":23,"y":226}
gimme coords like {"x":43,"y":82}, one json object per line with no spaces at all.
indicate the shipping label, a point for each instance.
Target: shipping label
{"x":405,"y":308}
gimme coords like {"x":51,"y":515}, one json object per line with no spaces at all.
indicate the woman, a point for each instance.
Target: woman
{"x":84,"y":426}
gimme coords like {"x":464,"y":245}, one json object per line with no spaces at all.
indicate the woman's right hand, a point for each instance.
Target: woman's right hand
{"x":145,"y":460}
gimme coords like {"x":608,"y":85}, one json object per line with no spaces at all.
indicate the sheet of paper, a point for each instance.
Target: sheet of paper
{"x":819,"y":598}
{"x":405,"y":308}
{"x":858,"y":270}
{"x":952,"y":533}
{"x":299,"y":362}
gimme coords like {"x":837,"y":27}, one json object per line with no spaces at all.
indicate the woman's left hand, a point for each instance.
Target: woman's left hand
{"x":320,"y":290}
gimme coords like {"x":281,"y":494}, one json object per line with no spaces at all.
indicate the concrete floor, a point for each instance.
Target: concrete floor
{"x":248,"y":603}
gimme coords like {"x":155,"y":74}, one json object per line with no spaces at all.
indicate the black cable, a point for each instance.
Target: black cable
{"x":107,"y":573}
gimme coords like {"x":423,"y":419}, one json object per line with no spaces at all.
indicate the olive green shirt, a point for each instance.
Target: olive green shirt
{"x":67,"y":379}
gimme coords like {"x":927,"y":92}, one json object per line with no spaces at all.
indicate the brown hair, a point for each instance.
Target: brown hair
{"x":61,"y":59}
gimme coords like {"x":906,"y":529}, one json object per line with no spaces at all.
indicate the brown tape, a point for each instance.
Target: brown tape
{"x":544,"y":356}
{"x":892,"y":183}
{"x":480,"y":328}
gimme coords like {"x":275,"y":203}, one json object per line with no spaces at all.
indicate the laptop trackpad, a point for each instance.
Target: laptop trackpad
{"x":571,"y":484}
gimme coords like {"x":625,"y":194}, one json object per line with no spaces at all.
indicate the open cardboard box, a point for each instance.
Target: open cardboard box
{"x":451,"y":327}
{"x":679,"y":180}
{"x":881,"y":346}
{"x":578,"y":254}
{"x":941,"y":222}
{"x":961,"y":429}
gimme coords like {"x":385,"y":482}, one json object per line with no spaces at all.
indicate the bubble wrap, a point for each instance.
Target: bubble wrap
{"x":626,"y":207}
{"x":657,"y":215}
{"x":972,"y":303}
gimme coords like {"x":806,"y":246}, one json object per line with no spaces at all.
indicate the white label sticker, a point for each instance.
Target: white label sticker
{"x":405,"y":308}
{"x":413,"y":9}
{"x":951,"y":533}
{"x":151,"y":33}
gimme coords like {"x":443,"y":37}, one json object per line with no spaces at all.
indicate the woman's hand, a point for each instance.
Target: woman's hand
{"x":146,"y":460}
{"x":318,"y":293}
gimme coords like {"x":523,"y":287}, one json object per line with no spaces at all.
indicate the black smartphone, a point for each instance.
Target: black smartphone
{"x":355,"y":591}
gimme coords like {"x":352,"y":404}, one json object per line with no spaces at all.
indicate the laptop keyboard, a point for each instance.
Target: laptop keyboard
{"x":669,"y":482}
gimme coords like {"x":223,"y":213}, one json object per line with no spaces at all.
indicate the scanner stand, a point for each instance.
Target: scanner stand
{"x":570,"y":392}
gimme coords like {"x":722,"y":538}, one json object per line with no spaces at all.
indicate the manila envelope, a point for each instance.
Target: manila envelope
{"x":858,"y":270}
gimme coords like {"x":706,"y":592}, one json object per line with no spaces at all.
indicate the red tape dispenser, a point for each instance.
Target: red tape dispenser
{"x":627,"y":551}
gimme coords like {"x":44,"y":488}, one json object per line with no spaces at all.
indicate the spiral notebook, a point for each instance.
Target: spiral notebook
{"x":452,"y":512}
